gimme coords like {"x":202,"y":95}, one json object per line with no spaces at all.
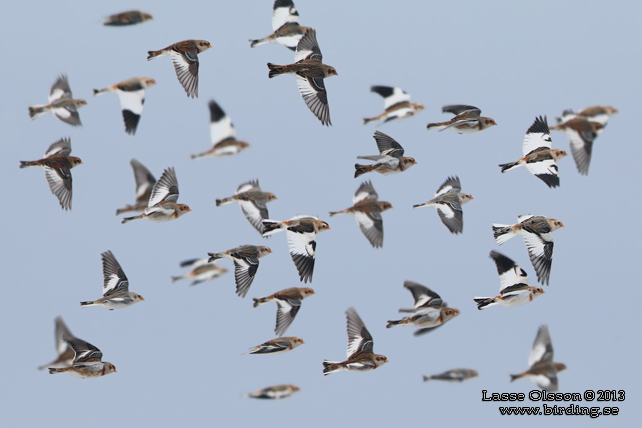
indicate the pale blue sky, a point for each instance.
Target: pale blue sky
{"x":178,"y":352}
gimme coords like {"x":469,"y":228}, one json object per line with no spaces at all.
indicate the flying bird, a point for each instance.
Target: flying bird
{"x":361,"y":357}
{"x":130,"y":17}
{"x":466,"y":121}
{"x":131,"y":93}
{"x":280,"y":345}
{"x":428,"y":312}
{"x":600,"y":114}
{"x":310,"y":72}
{"x":367,"y":210}
{"x":61,"y":103}
{"x":252,"y":201}
{"x":185,"y":59}
{"x":543,"y":370}
{"x":513,"y":285}
{"x":57,"y":164}
{"x":275,"y":392}
{"x":116,"y":294}
{"x":397,"y":104}
{"x":285,"y":26}
{"x":87,"y":360}
{"x":162,"y":204}
{"x":63,"y":350}
{"x":301,"y":233}
{"x":223,"y":135}
{"x":390,"y":159}
{"x":455,"y":375}
{"x":581,"y":134}
{"x":288,"y":303}
{"x":145,"y":182}
{"x":537,"y":232}
{"x":246,"y":263}
{"x":539,"y":158}
{"x":448,"y":201}
{"x":201,"y":271}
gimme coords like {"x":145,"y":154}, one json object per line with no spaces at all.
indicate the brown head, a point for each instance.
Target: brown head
{"x":145,"y":16}
{"x":295,"y":388}
{"x":330,"y":71}
{"x":74,"y":161}
{"x":379,"y":360}
{"x":554,"y":224}
{"x":537,"y":291}
{"x":306,"y":292}
{"x":558,"y":154}
{"x":181,"y":209}
{"x":449,"y":313}
{"x":487,"y":122}
{"x":320,"y":226}
{"x":263,"y":251}
{"x":202,"y":45}
{"x":242,"y":145}
{"x":146,"y":82}
{"x":384,"y":206}
{"x":270,"y":196}
{"x":611,"y":110}
{"x":418,"y":107}
{"x":80,"y":103}
{"x":407,"y":163}
{"x":559,"y":367}
{"x":296,"y":341}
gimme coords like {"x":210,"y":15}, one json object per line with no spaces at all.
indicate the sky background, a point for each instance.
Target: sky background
{"x":178,"y":352}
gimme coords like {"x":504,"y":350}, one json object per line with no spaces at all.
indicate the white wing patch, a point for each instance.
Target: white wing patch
{"x":132,"y":101}
{"x":222,"y":130}
{"x":535,"y":140}
{"x":398,"y":96}
{"x":284,"y":15}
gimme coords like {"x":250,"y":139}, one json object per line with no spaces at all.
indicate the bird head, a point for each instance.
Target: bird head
{"x":147,"y":82}
{"x":202,"y":45}
{"x":75,"y":161}
{"x":555,"y":224}
{"x":330,"y":71}
{"x":110,"y":368}
{"x":487,"y":121}
{"x":138,"y":297}
{"x":380,"y":360}
{"x":270,"y":196}
{"x":306,"y":292}
{"x":263,"y":251}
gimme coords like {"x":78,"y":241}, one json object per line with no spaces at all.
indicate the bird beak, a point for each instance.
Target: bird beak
{"x":414,"y":162}
{"x":386,"y":360}
{"x":543,"y":292}
{"x":142,"y":298}
{"x":189,"y":209}
{"x":302,"y":341}
{"x":472,"y":197}
{"x":561,"y":224}
{"x":269,"y":250}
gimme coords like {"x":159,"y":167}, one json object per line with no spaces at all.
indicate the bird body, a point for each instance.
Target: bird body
{"x":185,"y":59}
{"x":276,"y":392}
{"x":222,"y":135}
{"x":390,"y":159}
{"x":131,"y":93}
{"x":130,"y":17}
{"x":455,"y":375}
{"x":397,"y":105}
{"x":246,"y":263}
{"x":543,"y":370}
{"x":280,"y":345}
{"x":252,"y":201}
{"x":466,"y":121}
{"x":288,"y":303}
{"x":61,"y":103}
{"x":116,"y":294}
{"x":285,"y":26}
{"x":448,"y":202}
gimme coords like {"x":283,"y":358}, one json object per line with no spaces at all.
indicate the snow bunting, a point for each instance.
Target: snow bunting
{"x":537,"y":232}
{"x":145,"y":182}
{"x":360,"y":347}
{"x":581,"y":133}
{"x":390,"y":159}
{"x":397,"y":104}
{"x":539,"y":158}
{"x":252,"y":201}
{"x":116,"y":294}
{"x":288,"y":303}
{"x":310,"y":72}
{"x":162,"y":204}
{"x":279,"y":345}
{"x":513,"y":285}
{"x":87,"y":360}
{"x":201,"y":271}
{"x":61,"y":103}
{"x":448,"y":201}
{"x":64,"y":351}
{"x":285,"y":26}
{"x":600,"y":114}
{"x":301,"y":233}
{"x":455,"y":375}
{"x":543,"y":371}
{"x":130,"y":17}
{"x":367,"y":210}
{"x":275,"y":392}
{"x":466,"y":121}
{"x":57,"y":164}
{"x":223,"y":135}
{"x":131,"y":93}
{"x":246,"y":263}
{"x":429,"y":310}
{"x":185,"y":59}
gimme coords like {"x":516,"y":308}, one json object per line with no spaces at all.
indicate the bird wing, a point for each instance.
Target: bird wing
{"x":255,"y":212}
{"x":165,"y":189}
{"x":371,"y":225}
{"x":145,"y":180}
{"x":221,"y":126}
{"x":284,"y":12}
{"x":540,"y":251}
{"x":511,"y":276}
{"x":131,"y":103}
{"x":451,"y":215}
{"x":542,"y":347}
{"x":462,"y":109}
{"x":308,"y":47}
{"x":546,"y":170}
{"x":452,"y":184}
{"x":250,"y":185}
{"x":387,"y":145}
{"x":538,"y":135}
{"x":60,"y":183}
{"x":60,"y":89}
{"x":302,"y":245}
{"x":244,"y":271}
{"x":61,"y":147}
{"x":285,"y":314}
{"x":315,"y":96}
{"x":359,"y":338}
{"x":581,"y":144}
{"x":422,"y":295}
{"x":114,"y":279}
{"x":61,"y":331}
{"x":85,"y":351}
{"x":365,"y":191}
{"x":391,"y":96}
{"x":186,"y":67}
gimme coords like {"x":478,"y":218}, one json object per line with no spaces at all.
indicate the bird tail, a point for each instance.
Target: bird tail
{"x":153,"y":54}
{"x":276,"y":70}
{"x":126,"y":209}
{"x":35,"y":111}
{"x":483,"y":302}
{"x":330,"y":367}
{"x":176,"y":278}
{"x":223,"y":201}
{"x":502,"y":232}
{"x":508,"y":166}
{"x":426,"y":378}
{"x":86,"y":303}
{"x":24,"y":164}
{"x":362,"y":169}
{"x":126,"y":219}
{"x":407,"y":310}
{"x":367,"y":120}
{"x":270,"y":227}
{"x":200,"y":155}
{"x":259,"y":42}
{"x":338,"y":212}
{"x":261,"y":301}
{"x":425,"y":204}
{"x":434,"y":125}
{"x":513,"y":377}
{"x":214,"y":256}
{"x":53,"y":370}
{"x":395,"y":323}
{"x":100,"y":91}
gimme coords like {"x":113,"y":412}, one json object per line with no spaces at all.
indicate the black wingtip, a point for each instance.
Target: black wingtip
{"x":539,"y":126}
